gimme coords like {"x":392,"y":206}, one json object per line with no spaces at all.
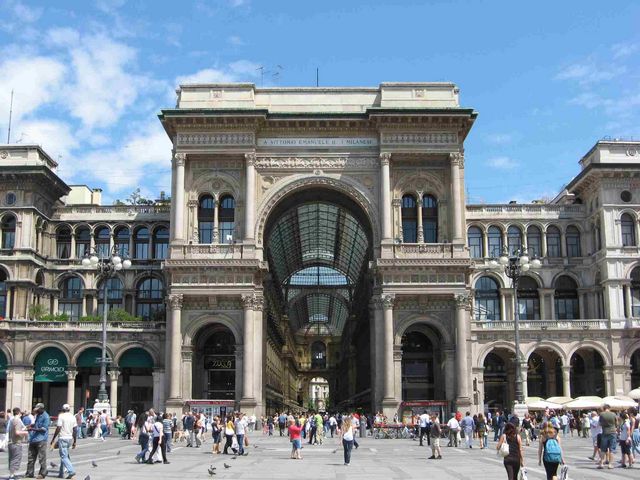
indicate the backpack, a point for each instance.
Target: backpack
{"x":552,"y":453}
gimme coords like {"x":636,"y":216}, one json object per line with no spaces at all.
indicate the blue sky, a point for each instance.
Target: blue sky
{"x":547,"y":78}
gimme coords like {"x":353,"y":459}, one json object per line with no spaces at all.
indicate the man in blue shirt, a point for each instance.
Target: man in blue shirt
{"x":38,"y":435}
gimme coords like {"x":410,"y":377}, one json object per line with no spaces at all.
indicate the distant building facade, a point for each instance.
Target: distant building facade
{"x":317,"y":249}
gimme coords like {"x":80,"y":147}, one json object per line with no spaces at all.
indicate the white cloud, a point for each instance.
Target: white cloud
{"x":624,"y":49}
{"x":499,"y":138}
{"x":588,"y":73}
{"x":25,"y":13}
{"x":238,"y":3}
{"x":207,"y":75}
{"x":245,"y":68}
{"x":55,"y":137}
{"x":235,"y":40}
{"x":109,"y":6}
{"x":63,"y":37}
{"x":503,"y":163}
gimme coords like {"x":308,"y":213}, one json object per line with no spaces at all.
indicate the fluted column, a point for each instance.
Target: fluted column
{"x":387,"y":309}
{"x":250,"y":196}
{"x":71,"y":387}
{"x":113,"y":394}
{"x":175,"y":377}
{"x":179,"y":160}
{"x":463,"y":307}
{"x":385,"y":194}
{"x":457,"y":161}
{"x":566,"y":381}
{"x":248,"y":302}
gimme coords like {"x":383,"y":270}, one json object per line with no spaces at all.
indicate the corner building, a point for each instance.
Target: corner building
{"x":318,"y":250}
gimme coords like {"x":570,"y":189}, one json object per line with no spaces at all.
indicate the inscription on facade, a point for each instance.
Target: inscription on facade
{"x":315,"y":162}
{"x":318,"y":142}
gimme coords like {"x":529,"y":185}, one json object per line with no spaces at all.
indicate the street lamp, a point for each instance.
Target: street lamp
{"x":107,"y":268}
{"x":515,"y":264}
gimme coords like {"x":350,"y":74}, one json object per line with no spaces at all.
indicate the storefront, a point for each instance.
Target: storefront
{"x":50,"y":379}
{"x":88,"y":377}
{"x":211,"y":407}
{"x":410,"y":409}
{"x":135,"y":382}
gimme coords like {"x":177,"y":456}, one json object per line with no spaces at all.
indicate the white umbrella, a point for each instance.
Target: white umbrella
{"x":584,"y":403}
{"x":619,"y":402}
{"x":561,"y":400}
{"x":635,"y":394}
{"x":543,"y":405}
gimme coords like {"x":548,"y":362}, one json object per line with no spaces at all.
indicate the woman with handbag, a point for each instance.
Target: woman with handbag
{"x":229,"y":432}
{"x":549,"y":450}
{"x":512,"y":453}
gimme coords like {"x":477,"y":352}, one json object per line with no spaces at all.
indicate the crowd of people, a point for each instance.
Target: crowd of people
{"x":157,"y":432}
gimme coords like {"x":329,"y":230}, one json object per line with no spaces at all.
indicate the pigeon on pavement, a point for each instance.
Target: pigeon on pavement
{"x":212,"y":470}
{"x":53,"y":465}
{"x":118,"y":452}
{"x":227,"y":466}
{"x":94,"y":464}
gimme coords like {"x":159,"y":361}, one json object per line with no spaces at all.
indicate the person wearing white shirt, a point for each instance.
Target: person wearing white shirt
{"x":66,"y":432}
{"x":454,"y":428}
{"x":596,"y":434}
{"x":625,"y":441}
{"x":424,"y":420}
{"x":158,"y":441}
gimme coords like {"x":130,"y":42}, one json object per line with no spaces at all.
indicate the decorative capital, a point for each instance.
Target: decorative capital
{"x":396,"y":202}
{"x":71,"y":373}
{"x":387,"y":301}
{"x":192,"y":203}
{"x":114,"y":373}
{"x":250,"y":158}
{"x":179,"y":159}
{"x":385,"y":158}
{"x":463,"y":300}
{"x":457,"y":158}
{"x":253,"y":302}
{"x":175,"y":301}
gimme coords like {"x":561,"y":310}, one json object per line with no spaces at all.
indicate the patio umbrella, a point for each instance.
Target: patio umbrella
{"x":619,"y":402}
{"x":543,"y":405}
{"x":560,"y":400}
{"x":635,"y":394}
{"x":584,"y":403}
{"x":529,"y":400}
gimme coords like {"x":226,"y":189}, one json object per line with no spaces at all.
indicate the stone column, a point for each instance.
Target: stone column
{"x":566,"y":380}
{"x":420,"y":228}
{"x":607,"y":372}
{"x":193,"y":221}
{"x":72,"y":253}
{"x":113,"y":394}
{"x":71,"y":387}
{"x":158,"y":388}
{"x":485,"y":245}
{"x":463,"y":306}
{"x":250,"y":196}
{"x":628,"y":312}
{"x":216,"y":213}
{"x":175,"y":304}
{"x":457,"y":162}
{"x":179,"y":160}
{"x":543,"y":307}
{"x":249,"y":305}
{"x":389,"y":401}
{"x":397,"y":204}
{"x":385,"y":195}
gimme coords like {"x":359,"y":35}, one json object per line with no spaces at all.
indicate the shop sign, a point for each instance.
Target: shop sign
{"x":50,"y":366}
{"x":219,"y":363}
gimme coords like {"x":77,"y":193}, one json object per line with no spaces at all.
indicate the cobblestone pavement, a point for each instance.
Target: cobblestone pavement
{"x":269,"y":458}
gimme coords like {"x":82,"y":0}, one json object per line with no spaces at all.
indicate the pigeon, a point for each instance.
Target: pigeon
{"x":118,"y":452}
{"x":227,"y":466}
{"x":335,"y":451}
{"x":94,"y":464}
{"x":53,"y":465}
{"x":255,"y":446}
{"x":212,"y":470}
{"x":234,"y":457}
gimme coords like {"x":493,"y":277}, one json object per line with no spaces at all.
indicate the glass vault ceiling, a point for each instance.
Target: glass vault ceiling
{"x":317,"y":253}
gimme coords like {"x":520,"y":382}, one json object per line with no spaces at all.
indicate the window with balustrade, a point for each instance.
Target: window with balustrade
{"x":150,"y":299}
{"x":494,"y":238}
{"x":573,"y":242}
{"x":226,"y":219}
{"x":430,"y":218}
{"x":114,"y":294}
{"x":160,"y":242}
{"x":514,"y":239}
{"x":206,"y":216}
{"x":409,"y":219}
{"x":554,"y":248}
{"x":635,"y":292}
{"x":487,"y":299}
{"x":141,"y":243}
{"x":8,"y":227}
{"x":566,"y":299}
{"x":528,"y":299}
{"x":103,"y":240}
{"x":534,"y":241}
{"x":63,"y":242}
{"x":70,"y":301}
{"x":474,"y":239}
{"x":121,"y":241}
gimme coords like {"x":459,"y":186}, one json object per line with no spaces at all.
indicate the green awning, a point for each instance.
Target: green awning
{"x":3,"y":365}
{"x":136,"y":358}
{"x":50,"y":366}
{"x":90,"y":358}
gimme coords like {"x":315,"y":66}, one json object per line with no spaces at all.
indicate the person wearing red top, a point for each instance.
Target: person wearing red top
{"x":294,"y":437}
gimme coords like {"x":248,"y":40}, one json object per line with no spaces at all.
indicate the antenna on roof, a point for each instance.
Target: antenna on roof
{"x":10,"y":113}
{"x":317,"y":77}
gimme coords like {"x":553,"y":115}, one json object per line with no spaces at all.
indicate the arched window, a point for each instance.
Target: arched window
{"x":160,"y":242}
{"x":430,"y":219}
{"x":227,"y":219}
{"x":141,"y":243}
{"x":8,"y":227}
{"x":573,"y":242}
{"x":71,"y":298}
{"x":63,"y":242}
{"x":103,"y":239}
{"x":566,"y":299}
{"x":318,"y":355}
{"x":149,"y":298}
{"x":553,"y":242}
{"x":514,"y":239}
{"x":487,"y":299}
{"x":597,"y":237}
{"x":114,"y":294}
{"x":3,"y":294}
{"x":635,"y":292}
{"x":528,"y":300}
{"x":474,"y":237}
{"x":121,"y":240}
{"x":409,"y":219}
{"x":628,"y":227}
{"x":534,"y":241}
{"x":83,"y":241}
{"x":206,"y":214}
{"x":494,"y":236}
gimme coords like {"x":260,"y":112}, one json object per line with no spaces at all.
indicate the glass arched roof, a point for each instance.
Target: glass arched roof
{"x":317,"y":254}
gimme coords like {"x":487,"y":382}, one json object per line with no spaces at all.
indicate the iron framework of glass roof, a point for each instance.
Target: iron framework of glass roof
{"x":318,"y":252}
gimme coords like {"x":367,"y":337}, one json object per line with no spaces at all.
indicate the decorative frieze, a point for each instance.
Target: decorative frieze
{"x":217,"y":139}
{"x":421,"y":139}
{"x":310,"y":163}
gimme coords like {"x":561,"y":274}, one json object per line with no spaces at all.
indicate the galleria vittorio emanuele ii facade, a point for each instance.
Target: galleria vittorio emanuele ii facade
{"x":317,"y":249}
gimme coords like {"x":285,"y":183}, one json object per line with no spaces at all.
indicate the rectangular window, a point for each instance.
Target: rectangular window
{"x":573,"y":246}
{"x":567,"y":309}
{"x":205,"y":232}
{"x":533,"y":246}
{"x":487,"y":309}
{"x":81,"y":249}
{"x":161,"y":250}
{"x":102,"y":250}
{"x":430,"y":231}
{"x":123,"y":249}
{"x":495,"y":246}
{"x":529,"y":309}
{"x":63,"y":250}
{"x":553,"y":246}
{"x":8,"y":239}
{"x":73,"y":310}
{"x":475,"y":246}
{"x":409,"y":231}
{"x":142,"y":251}
{"x":225,"y":230}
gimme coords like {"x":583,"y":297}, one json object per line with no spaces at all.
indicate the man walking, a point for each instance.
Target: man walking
{"x":239,"y":428}
{"x":188,"y":422}
{"x":81,"y":424}
{"x":38,"y":435}
{"x":454,"y":429}
{"x":609,"y":422}
{"x":424,"y":422}
{"x":66,"y":434}
{"x":15,"y":434}
{"x":468,"y":425}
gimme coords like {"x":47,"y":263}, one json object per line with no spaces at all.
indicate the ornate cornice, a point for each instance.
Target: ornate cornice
{"x":404,"y":139}
{"x":387,"y":301}
{"x":217,"y":139}
{"x":463,"y":300}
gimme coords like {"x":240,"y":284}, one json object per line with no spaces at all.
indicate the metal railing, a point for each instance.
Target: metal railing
{"x":24,"y":324}
{"x":591,"y":324}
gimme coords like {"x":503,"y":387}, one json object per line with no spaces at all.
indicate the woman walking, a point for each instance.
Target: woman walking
{"x":550,"y":451}
{"x":294,"y":438}
{"x":347,"y":439}
{"x":229,"y":431}
{"x":216,"y":433}
{"x":514,"y":461}
{"x":143,"y":437}
{"x":481,"y":428}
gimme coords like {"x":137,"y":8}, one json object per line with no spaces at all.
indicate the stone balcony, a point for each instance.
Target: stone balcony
{"x":91,"y":213}
{"x":220,"y":251}
{"x":524,"y":210}
{"x":429,"y":250}
{"x":37,"y":325}
{"x":542,"y":325}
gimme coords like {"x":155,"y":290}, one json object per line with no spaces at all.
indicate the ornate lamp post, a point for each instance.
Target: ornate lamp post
{"x":515,"y":264}
{"x":106,"y":267}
